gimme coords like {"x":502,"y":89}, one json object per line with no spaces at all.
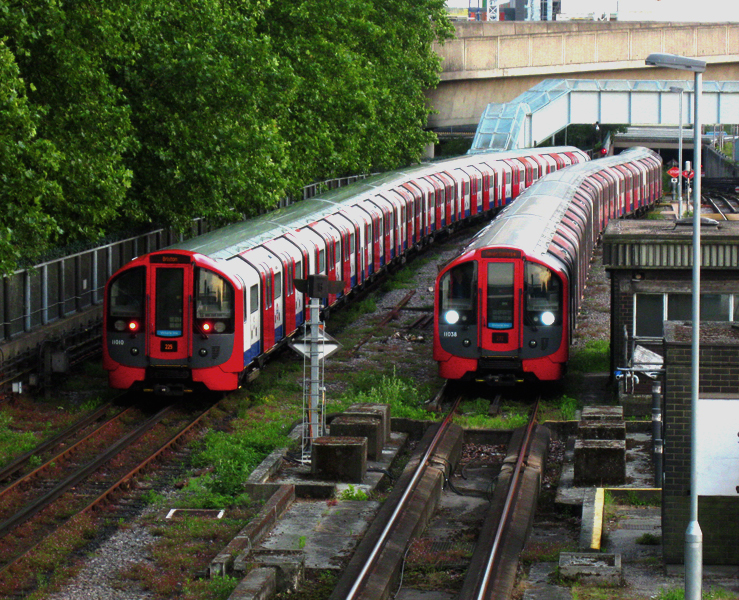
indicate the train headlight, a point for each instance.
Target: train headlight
{"x":547,"y":318}
{"x":219,"y":327}
{"x":451,"y":317}
{"x":203,"y":352}
{"x":466,"y":343}
{"x":120,"y":325}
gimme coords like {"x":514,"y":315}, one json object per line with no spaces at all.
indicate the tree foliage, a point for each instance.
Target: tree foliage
{"x":155,"y":111}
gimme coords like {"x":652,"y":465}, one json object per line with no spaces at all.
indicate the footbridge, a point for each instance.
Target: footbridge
{"x":552,"y":105}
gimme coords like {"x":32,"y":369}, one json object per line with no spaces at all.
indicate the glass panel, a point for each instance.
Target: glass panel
{"x":278,"y":286}
{"x":253,"y":299}
{"x":679,"y":307}
{"x":299,"y":270}
{"x":321,"y":261}
{"x":127,"y":294}
{"x":715,"y":307}
{"x":213,"y":296}
{"x":457,"y":301}
{"x":735,"y":317}
{"x":649,"y":315}
{"x":500,"y":295}
{"x":543,"y":296}
{"x":169,"y":292}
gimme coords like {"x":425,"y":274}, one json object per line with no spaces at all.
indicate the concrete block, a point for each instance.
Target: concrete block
{"x":369,"y":427}
{"x":601,"y":430}
{"x":602,"y":413}
{"x":339,"y":458}
{"x":289,"y":567}
{"x":591,"y":567}
{"x":600,"y":462}
{"x":381,"y":411}
{"x":259,"y":584}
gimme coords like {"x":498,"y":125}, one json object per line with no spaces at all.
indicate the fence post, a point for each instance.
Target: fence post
{"x":44,"y":294}
{"x":26,"y":301}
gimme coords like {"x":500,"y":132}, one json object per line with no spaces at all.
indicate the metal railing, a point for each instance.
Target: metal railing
{"x":34,"y":297}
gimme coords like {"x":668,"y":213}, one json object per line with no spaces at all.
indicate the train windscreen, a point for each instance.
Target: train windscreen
{"x":214,"y":302}
{"x":169,"y":305}
{"x":126,"y":300}
{"x":500,"y":295}
{"x":457,"y":298}
{"x":543,"y":296}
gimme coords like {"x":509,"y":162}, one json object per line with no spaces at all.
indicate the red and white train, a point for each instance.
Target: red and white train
{"x":204,"y":312}
{"x":505,"y":307}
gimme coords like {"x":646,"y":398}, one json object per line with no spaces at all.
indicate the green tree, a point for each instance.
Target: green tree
{"x":64,"y":52}
{"x":361,"y":69}
{"x":27,"y":166}
{"x":207,"y":98}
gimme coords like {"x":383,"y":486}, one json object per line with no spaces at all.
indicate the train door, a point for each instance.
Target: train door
{"x":408,"y":210}
{"x":267,"y":307}
{"x":331,"y":238}
{"x":386,"y":232}
{"x":399,"y":216}
{"x":302,"y":265}
{"x":171,"y":285}
{"x":252,"y":327}
{"x":500,"y":277}
{"x":292,"y":304}
{"x":550,"y":164}
{"x":348,"y":262}
{"x":466,"y":191}
{"x":506,"y":183}
{"x":356,"y":221}
{"x":374,"y":237}
{"x":514,"y":184}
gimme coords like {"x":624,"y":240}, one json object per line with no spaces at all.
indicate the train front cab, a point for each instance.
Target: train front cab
{"x":171,"y":324}
{"x":501,"y":319}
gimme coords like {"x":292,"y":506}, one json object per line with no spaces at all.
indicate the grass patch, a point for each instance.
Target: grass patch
{"x":649,"y":539}
{"x":349,"y":314}
{"x":709,"y":594}
{"x":401,"y":394}
{"x":594,"y":357}
{"x":563,"y":408}
{"x":13,"y":442}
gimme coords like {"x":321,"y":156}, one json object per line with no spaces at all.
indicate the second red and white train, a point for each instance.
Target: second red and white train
{"x":505,"y":307}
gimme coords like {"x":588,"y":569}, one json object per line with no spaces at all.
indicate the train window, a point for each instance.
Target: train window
{"x":278,"y":286}
{"x":169,"y":306}
{"x":500,"y":295}
{"x":352,"y":246}
{"x":299,"y":270}
{"x":543,"y":296}
{"x":268,"y":290}
{"x":213,"y":302}
{"x":290,"y":283}
{"x":253,"y":299}
{"x":127,"y":294}
{"x":457,"y":299}
{"x":321,"y":261}
{"x":126,"y":301}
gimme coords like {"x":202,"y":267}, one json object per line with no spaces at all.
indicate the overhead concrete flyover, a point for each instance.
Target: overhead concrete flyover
{"x":496,"y":62}
{"x":551,"y":106}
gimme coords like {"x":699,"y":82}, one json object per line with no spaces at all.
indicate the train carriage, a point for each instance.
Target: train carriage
{"x":205,"y":312}
{"x":505,"y":307}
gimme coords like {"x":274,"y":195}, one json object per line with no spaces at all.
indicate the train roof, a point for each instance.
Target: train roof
{"x":530,"y":221}
{"x":243,"y":235}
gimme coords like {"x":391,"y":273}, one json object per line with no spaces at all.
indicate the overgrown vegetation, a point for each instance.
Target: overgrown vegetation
{"x":709,"y":594}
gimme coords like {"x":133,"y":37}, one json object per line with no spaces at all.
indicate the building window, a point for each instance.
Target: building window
{"x":650,"y":310}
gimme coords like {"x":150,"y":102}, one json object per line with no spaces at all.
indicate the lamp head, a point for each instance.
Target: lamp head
{"x":675,"y":61}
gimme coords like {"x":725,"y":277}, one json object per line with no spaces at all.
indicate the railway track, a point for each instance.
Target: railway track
{"x":376,"y":568}
{"x":83,"y":468}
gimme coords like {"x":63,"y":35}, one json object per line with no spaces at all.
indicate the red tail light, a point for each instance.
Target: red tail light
{"x":206,"y":326}
{"x":133,"y":326}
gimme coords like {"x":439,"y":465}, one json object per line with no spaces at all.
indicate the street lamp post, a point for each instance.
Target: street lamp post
{"x":693,"y":534}
{"x":679,"y":90}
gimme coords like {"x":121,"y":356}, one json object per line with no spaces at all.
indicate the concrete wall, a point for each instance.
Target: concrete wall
{"x":718,"y":515}
{"x":496,"y":62}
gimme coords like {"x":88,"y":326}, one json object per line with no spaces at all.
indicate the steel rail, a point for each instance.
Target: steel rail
{"x":122,"y":481}
{"x":64,"y":453}
{"x":35,"y":507}
{"x":482,"y":593}
{"x":389,"y":526}
{"x":62,"y":436}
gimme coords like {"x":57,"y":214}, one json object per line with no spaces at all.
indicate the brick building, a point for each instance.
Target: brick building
{"x":650,"y":267}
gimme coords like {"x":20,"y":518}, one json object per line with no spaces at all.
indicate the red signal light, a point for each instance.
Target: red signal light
{"x":603,"y":151}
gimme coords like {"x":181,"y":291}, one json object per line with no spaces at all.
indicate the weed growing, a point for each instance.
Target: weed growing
{"x":353,"y":493}
{"x":594,"y":357}
{"x":710,"y":594}
{"x":12,"y":442}
{"x":649,"y":539}
{"x":401,"y":394}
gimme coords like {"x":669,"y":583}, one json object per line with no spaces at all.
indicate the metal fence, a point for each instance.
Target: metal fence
{"x":47,"y":292}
